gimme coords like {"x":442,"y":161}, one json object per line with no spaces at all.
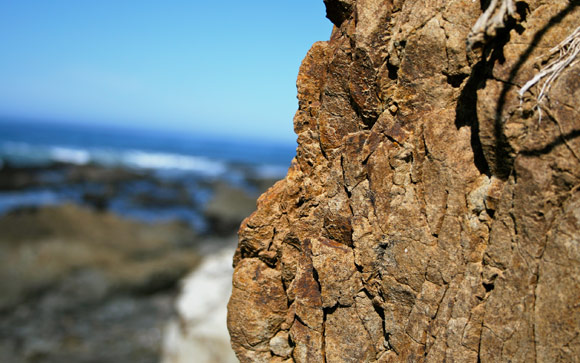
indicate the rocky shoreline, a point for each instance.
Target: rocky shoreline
{"x":90,"y":274}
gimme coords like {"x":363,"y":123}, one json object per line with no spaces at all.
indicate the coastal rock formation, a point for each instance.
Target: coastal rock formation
{"x":75,"y":278}
{"x":79,"y":285}
{"x":428,"y":215}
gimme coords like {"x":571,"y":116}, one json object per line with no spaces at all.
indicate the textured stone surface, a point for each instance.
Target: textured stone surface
{"x":428,"y":215}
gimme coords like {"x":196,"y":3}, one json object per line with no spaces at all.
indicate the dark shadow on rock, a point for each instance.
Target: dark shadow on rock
{"x":466,"y":113}
{"x":466,"y":109}
{"x":503,"y":159}
{"x":551,"y":145}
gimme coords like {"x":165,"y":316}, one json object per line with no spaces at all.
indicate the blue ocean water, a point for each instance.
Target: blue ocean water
{"x":33,"y":143}
{"x":172,"y":163}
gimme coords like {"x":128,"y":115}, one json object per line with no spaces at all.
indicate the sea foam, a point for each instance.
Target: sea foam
{"x":27,"y":154}
{"x":157,"y":160}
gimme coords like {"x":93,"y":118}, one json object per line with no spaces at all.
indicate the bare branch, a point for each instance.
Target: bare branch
{"x":490,"y":21}
{"x":568,"y":51}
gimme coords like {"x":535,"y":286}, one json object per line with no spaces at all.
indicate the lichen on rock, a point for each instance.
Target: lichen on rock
{"x":427,"y":215}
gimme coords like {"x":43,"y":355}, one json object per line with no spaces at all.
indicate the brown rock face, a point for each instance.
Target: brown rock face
{"x":428,"y":215}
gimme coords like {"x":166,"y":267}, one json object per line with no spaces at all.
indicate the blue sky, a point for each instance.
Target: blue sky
{"x":223,"y":67}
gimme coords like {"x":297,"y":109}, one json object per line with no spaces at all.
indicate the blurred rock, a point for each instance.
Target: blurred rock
{"x":228,"y":207}
{"x":18,"y":178}
{"x":81,"y":286}
{"x":100,"y":174}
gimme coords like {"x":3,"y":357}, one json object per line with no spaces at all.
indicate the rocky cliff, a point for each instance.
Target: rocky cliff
{"x":429,"y":214}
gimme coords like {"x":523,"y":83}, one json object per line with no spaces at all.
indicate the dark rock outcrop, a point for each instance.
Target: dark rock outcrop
{"x":80,"y":286}
{"x":428,"y":215}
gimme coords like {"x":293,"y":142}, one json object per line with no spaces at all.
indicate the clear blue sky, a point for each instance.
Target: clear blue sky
{"x":220,"y":67}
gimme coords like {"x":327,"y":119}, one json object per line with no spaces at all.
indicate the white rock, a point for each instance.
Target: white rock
{"x":200,"y":334}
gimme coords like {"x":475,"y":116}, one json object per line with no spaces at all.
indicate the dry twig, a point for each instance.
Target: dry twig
{"x":490,"y":21}
{"x":568,"y":51}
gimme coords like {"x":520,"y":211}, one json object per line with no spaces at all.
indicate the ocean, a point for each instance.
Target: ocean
{"x":175,"y":172}
{"x":30,"y":143}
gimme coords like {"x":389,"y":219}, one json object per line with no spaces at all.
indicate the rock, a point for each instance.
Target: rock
{"x":14,"y":177}
{"x":280,"y":345}
{"x":228,"y":207}
{"x":269,"y":305}
{"x":101,"y":174}
{"x":74,"y":281}
{"x":428,"y":215}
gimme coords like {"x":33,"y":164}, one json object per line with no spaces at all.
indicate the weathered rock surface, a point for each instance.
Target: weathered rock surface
{"x":428,"y":215}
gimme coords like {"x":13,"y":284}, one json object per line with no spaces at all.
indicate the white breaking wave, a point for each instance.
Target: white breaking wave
{"x":69,"y":155}
{"x":139,"y":159}
{"x":42,"y":154}
{"x":153,"y":160}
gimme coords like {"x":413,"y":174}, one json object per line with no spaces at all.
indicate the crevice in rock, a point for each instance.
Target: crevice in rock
{"x":455,"y":80}
{"x":391,"y":139}
{"x":325,"y":312}
{"x":488,"y":286}
{"x":446,"y":286}
{"x":378,"y":308}
{"x":316,"y":278}
{"x":413,"y":339}
{"x":392,"y":71}
{"x":343,"y":173}
{"x":388,"y":345}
